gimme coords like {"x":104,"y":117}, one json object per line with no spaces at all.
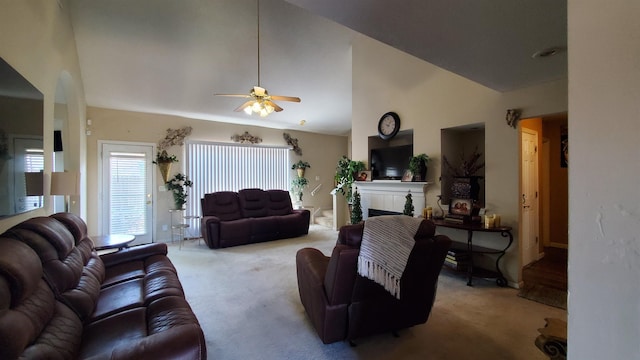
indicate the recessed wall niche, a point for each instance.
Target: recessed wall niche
{"x":460,"y":146}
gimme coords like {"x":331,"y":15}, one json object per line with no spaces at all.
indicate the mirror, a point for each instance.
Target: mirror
{"x":21,"y":143}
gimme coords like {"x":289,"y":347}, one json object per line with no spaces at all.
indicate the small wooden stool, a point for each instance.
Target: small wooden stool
{"x":553,"y":339}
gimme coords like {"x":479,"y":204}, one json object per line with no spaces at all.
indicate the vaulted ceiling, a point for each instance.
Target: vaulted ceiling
{"x":170,"y":57}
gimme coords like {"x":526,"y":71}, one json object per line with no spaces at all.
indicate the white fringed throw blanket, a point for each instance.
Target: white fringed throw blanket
{"x":386,"y":244}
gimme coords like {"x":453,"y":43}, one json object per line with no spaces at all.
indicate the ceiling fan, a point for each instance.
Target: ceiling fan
{"x":260,"y":101}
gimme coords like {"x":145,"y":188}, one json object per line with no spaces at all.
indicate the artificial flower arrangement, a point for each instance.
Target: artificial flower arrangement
{"x":178,"y":186}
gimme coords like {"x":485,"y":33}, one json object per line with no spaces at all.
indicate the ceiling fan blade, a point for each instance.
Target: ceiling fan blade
{"x":285,"y":98}
{"x":234,"y":95}
{"x":243,"y":106}
{"x":275,"y":106}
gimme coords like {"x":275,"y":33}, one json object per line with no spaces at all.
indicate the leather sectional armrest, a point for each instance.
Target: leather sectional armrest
{"x":139,"y":252}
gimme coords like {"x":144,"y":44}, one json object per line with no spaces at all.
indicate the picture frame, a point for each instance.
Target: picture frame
{"x":461,"y":206}
{"x":408,"y":176}
{"x":364,"y":175}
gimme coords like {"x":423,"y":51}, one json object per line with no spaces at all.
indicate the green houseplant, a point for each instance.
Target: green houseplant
{"x":300,"y":167}
{"x":178,"y":186}
{"x":297,"y":186}
{"x":345,"y":176}
{"x":418,"y":166}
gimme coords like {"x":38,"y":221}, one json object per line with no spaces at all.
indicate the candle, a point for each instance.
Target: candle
{"x":489,"y":221}
{"x":496,"y":220}
{"x":429,"y":212}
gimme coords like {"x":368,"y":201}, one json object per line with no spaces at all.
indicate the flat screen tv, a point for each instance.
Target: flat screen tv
{"x":21,"y":143}
{"x":390,"y":163}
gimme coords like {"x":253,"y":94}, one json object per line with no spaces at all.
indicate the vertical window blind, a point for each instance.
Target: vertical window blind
{"x":231,"y":167}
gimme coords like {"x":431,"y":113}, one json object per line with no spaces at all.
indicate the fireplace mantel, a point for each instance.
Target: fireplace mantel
{"x":390,"y":195}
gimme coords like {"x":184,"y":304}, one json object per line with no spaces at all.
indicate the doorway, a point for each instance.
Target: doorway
{"x":551,"y":224}
{"x":126,"y":184}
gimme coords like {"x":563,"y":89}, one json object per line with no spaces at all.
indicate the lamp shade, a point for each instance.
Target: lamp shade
{"x":65,"y":183}
{"x":33,"y":183}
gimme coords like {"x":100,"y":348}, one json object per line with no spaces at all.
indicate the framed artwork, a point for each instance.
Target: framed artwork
{"x":364,"y":176}
{"x":461,"y":206}
{"x":408,"y":176}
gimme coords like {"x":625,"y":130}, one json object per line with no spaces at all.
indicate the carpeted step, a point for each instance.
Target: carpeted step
{"x":324,"y":221}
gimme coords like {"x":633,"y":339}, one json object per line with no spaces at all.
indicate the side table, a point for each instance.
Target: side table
{"x":112,"y":241}
{"x":179,"y":227}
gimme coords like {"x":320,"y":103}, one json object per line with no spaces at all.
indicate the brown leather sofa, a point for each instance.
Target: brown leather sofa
{"x":250,"y":216}
{"x":60,"y":300}
{"x":343,"y":305}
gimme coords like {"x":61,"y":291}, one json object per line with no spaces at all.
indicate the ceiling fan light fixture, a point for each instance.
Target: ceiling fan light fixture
{"x":261,"y":103}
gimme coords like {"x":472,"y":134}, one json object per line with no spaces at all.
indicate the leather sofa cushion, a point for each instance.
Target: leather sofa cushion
{"x":223,"y":205}
{"x":253,"y":203}
{"x":74,"y":272}
{"x":32,"y":323}
{"x":235,"y":232}
{"x":279,"y":203}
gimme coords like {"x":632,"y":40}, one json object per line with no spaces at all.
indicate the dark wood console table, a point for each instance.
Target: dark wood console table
{"x":504,"y":231}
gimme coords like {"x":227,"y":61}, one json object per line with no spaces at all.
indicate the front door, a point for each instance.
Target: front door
{"x":529,"y":196}
{"x":126,"y":188}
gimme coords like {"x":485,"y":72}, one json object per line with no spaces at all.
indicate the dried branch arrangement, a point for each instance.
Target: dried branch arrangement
{"x":174,"y":137}
{"x":468,"y":166}
{"x":246,"y":138}
{"x":293,"y":142}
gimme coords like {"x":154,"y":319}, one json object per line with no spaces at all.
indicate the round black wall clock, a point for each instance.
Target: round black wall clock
{"x":389,"y":125}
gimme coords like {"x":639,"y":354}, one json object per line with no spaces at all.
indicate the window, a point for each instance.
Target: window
{"x":231,"y":167}
{"x":127,"y":187}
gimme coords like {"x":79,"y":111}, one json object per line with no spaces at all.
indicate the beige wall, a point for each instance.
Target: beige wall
{"x":321,"y":151}
{"x":37,"y":40}
{"x":604,"y":168}
{"x":428,"y":99}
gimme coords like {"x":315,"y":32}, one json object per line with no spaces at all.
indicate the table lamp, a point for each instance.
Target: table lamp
{"x":65,"y":183}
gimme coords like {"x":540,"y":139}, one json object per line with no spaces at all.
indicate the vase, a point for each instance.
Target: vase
{"x":165,"y":168}
{"x":300,"y":172}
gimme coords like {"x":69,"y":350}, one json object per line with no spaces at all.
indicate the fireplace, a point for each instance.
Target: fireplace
{"x":379,"y":212}
{"x":383,"y":197}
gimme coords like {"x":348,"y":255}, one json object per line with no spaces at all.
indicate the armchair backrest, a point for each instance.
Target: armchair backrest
{"x":253,"y":202}
{"x":222,"y":204}
{"x":30,"y":315}
{"x":341,"y":274}
{"x":279,"y":203}
{"x":71,"y":267}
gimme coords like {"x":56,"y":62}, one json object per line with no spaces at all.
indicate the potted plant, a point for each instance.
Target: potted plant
{"x":178,"y":186}
{"x":346,"y":171}
{"x":300,"y":167}
{"x":297,"y":186}
{"x":164,"y":161}
{"x":418,"y":167}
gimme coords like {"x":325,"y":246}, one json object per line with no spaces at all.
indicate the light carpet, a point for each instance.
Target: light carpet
{"x":246,"y":299}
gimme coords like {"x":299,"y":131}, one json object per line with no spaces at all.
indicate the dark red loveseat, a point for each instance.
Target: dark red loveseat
{"x":250,"y":216}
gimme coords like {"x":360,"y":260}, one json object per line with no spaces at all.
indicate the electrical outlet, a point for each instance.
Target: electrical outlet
{"x":165,"y":227}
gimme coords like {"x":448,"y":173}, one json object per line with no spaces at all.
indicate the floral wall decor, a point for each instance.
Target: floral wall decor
{"x":174,"y":137}
{"x":246,"y":138}
{"x":293,"y":143}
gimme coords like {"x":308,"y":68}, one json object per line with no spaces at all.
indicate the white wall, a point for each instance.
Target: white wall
{"x":428,"y":99}
{"x":36,"y":38}
{"x":604,"y":179}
